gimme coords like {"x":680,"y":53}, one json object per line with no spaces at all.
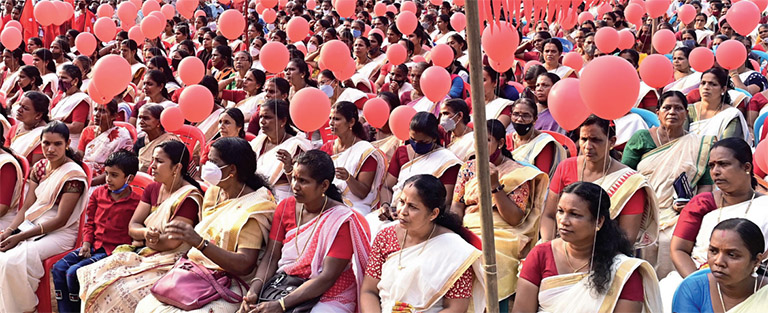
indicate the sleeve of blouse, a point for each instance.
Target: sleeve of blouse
{"x":8,"y":183}
{"x":342,"y":245}
{"x":633,"y":289}
{"x":376,"y":258}
{"x":450,"y":175}
{"x":689,"y":222}
{"x":189,"y":209}
{"x":394,"y":164}
{"x":277,"y":230}
{"x":636,"y":203}
{"x":545,"y":158}
{"x":462,"y":288}
{"x":533,"y":266}
{"x":556,"y":184}
{"x":146,"y":196}
{"x":633,"y":151}
{"x":85,"y":138}
{"x":369,"y":165}
{"x":689,"y":296}
{"x":457,"y":86}
{"x":250,"y":236}
{"x":80,"y":113}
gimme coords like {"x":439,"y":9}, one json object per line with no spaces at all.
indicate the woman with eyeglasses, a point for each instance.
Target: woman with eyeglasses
{"x":531,"y":145}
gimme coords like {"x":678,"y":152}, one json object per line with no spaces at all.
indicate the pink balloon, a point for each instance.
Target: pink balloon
{"x":172,"y":119}
{"x":501,"y":66}
{"x":607,"y":39}
{"x":191,"y":70}
{"x":743,"y":16}
{"x":97,"y":96}
{"x":347,"y":71}
{"x":408,"y":6}
{"x":345,"y":8}
{"x":573,"y":60}
{"x":136,"y":34}
{"x":297,"y":29}
{"x":442,"y":55}
{"x":379,"y":9}
{"x":105,"y":29}
{"x":64,"y":12}
{"x":136,"y":3}
{"x":196,"y":103}
{"x":105,"y":10}
{"x":585,"y":16}
{"x":418,"y":59}
{"x":334,"y":54}
{"x":663,"y":41}
{"x":151,"y":27}
{"x":45,"y":12}
{"x":309,"y":109}
{"x":168,"y":10}
{"x":761,"y":4}
{"x":406,"y":22}
{"x":686,"y":13}
{"x":634,"y":14}
{"x":199,"y":13}
{"x":111,"y":74}
{"x":312,"y":4}
{"x":565,"y":104}
{"x":274,"y":56}
{"x":149,"y":7}
{"x":496,"y":40}
{"x":731,"y":54}
{"x":269,"y":16}
{"x":459,"y":3}
{"x":400,"y":121}
{"x":396,"y":54}
{"x":392,"y":8}
{"x":27,"y":58}
{"x":14,"y":24}
{"x":656,"y":8}
{"x":269,"y":3}
{"x":622,"y":89}
{"x":231,"y":24}
{"x":435,"y":83}
{"x":701,"y":59}
{"x":761,"y":155}
{"x":126,"y":25}
{"x":85,"y":43}
{"x":11,"y":38}
{"x":126,"y":11}
{"x":626,"y":39}
{"x":601,"y":10}
{"x":458,"y":21}
{"x":656,"y":71}
{"x":186,"y":8}
{"x":529,"y":64}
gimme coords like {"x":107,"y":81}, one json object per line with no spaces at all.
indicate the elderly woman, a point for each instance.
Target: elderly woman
{"x":590,"y":257}
{"x":32,"y":116}
{"x":318,"y":247}
{"x":154,"y":134}
{"x":551,"y":53}
{"x":236,"y":215}
{"x":531,"y":145}
{"x":736,"y":248}
{"x":73,"y":107}
{"x":416,"y":97}
{"x":102,"y":139}
{"x":402,"y":278}
{"x":661,"y":154}
{"x":714,"y":115}
{"x":517,"y":193}
{"x":686,"y":80}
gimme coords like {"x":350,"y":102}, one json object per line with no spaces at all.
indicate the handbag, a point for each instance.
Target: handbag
{"x":280,"y":286}
{"x":189,"y":286}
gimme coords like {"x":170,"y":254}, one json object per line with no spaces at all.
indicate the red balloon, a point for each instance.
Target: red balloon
{"x":334,"y":54}
{"x":585,"y":16}
{"x":441,"y":55}
{"x":269,"y":16}
{"x":347,"y":71}
{"x":149,"y":7}
{"x":634,"y":13}
{"x":459,"y":3}
{"x":14,"y":24}
{"x":406,"y":22}
{"x":168,"y":10}
{"x":656,"y":71}
{"x":309,"y":109}
{"x":269,"y":3}
{"x":458,"y":21}
{"x":435,"y":83}
{"x":105,"y":29}
{"x":345,"y":8}
{"x":701,"y":59}
{"x":196,"y":103}
{"x":761,"y":4}
{"x":566,"y":105}
{"x":127,"y":25}
{"x":111,"y":74}
{"x":380,"y":9}
{"x":137,"y":4}
{"x":297,"y":29}
{"x":686,"y":13}
{"x":663,"y":41}
{"x":151,"y":26}
{"x":392,"y":8}
{"x":501,"y":66}
{"x":199,"y":13}
{"x":27,"y":58}
{"x":231,"y":24}
{"x":11,"y":38}
{"x":45,"y":12}
{"x":731,"y":54}
{"x":274,"y":56}
{"x":64,"y":12}
{"x":408,"y":6}
{"x":656,"y":8}
{"x":311,"y":4}
{"x":626,"y":39}
{"x":400,"y":121}
{"x":96,"y":96}
{"x":105,"y":10}
{"x":85,"y":43}
{"x":136,"y":34}
{"x":622,"y":89}
{"x":126,"y":11}
{"x":496,"y":40}
{"x":191,"y":70}
{"x":607,"y":39}
{"x":573,"y":60}
{"x":396,"y":54}
{"x":761,"y":155}
{"x":419,"y":59}
{"x":743,"y":16}
{"x":172,"y":119}
{"x":376,"y":112}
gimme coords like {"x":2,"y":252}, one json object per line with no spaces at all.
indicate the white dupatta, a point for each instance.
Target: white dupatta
{"x":563,"y":71}
{"x":64,"y":109}
{"x":686,"y":84}
{"x":52,"y":80}
{"x":530,"y":151}
{"x":423,"y":104}
{"x":208,"y":126}
{"x":48,"y":190}
{"x":427,"y":277}
{"x":352,"y":160}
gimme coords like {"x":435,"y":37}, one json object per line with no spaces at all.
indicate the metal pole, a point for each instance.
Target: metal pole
{"x":481,"y":151}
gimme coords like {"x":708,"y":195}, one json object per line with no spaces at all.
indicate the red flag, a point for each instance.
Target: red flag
{"x":27,"y":20}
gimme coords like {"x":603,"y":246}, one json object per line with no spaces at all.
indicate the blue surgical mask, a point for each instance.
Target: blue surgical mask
{"x":690,"y":43}
{"x":355,"y":33}
{"x":421,"y":147}
{"x":326,"y":89}
{"x":119,"y":190}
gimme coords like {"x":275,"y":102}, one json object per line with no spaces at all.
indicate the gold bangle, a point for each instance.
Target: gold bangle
{"x":282,"y":303}
{"x":42,"y":231}
{"x":200,"y":246}
{"x":257,"y":278}
{"x":288,"y":172}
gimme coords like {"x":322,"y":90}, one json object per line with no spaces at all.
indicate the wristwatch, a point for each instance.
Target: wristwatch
{"x":497,"y":189}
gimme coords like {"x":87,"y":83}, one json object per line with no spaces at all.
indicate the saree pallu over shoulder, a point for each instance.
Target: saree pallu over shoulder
{"x":49,"y":188}
{"x":434,"y":163}
{"x":621,"y":185}
{"x":6,"y":158}
{"x":686,"y":84}
{"x":427,"y":277}
{"x":145,"y":153}
{"x":209,"y":125}
{"x":267,"y":163}
{"x":661,"y":166}
{"x":716,"y":125}
{"x":757,"y":302}
{"x":529,"y":151}
{"x":387,"y":146}
{"x":463,"y":147}
{"x":26,"y":142}
{"x":557,"y":293}
{"x":513,"y":242}
{"x":352,"y":160}
{"x":67,"y":104}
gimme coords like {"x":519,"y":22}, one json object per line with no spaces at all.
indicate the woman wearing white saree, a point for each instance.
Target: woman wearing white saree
{"x":47,"y":223}
{"x":118,"y":282}
{"x":32,"y":116}
{"x":154,"y":134}
{"x":416,"y":97}
{"x":454,"y":117}
{"x":210,"y":125}
{"x":713,"y":115}
{"x":364,"y":65}
{"x":551,"y":53}
{"x":277,"y":146}
{"x":332,"y":87}
{"x":496,"y":108}
{"x":686,"y":80}
{"x":43,"y":59}
{"x":426,"y":262}
{"x":360,"y":167}
{"x":12,"y":62}
{"x":531,"y":145}
{"x":129,"y":51}
{"x":250,"y":96}
{"x":72,"y":106}
{"x":589,"y":268}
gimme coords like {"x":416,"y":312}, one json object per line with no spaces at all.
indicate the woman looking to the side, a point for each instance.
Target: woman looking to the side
{"x":32,"y":116}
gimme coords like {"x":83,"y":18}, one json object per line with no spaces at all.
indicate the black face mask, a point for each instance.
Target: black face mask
{"x":522,"y":129}
{"x":175,"y":64}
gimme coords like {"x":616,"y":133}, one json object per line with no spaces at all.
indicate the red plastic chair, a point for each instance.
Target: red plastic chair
{"x":44,"y":290}
{"x":190,"y":136}
{"x":24,"y":168}
{"x":129,"y":127}
{"x":141,"y":181}
{"x":326,"y":134}
{"x":249,"y":137}
{"x":564,"y":141}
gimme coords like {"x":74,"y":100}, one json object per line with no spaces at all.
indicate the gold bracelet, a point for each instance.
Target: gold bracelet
{"x":257,"y":278}
{"x":42,"y":231}
{"x":288,"y":172}
{"x":282,"y":303}
{"x":200,"y":246}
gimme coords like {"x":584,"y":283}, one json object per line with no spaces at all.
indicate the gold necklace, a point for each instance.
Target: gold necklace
{"x":298,"y":229}
{"x":568,"y":259}
{"x":400,"y":257}
{"x":720,"y":293}
{"x":722,"y":202}
{"x":607,"y":167}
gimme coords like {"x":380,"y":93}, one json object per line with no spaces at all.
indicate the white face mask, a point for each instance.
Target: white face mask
{"x":765,"y":41}
{"x":448,"y":123}
{"x":327,"y":89}
{"x":311,"y":48}
{"x":254,"y":51}
{"x":211,"y":173}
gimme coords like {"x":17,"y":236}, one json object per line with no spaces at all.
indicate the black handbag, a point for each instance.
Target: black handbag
{"x":280,"y":286}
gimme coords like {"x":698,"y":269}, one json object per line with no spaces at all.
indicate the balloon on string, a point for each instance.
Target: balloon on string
{"x":406,"y":22}
{"x":407,"y":6}
{"x":136,"y":34}
{"x":441,"y":55}
{"x":274,"y":56}
{"x":585,"y":16}
{"x":136,"y":3}
{"x":634,"y":14}
{"x":380,"y":9}
{"x":168,"y":11}
{"x":346,"y":72}
{"x":309,"y":109}
{"x":186,"y":8}
{"x":686,"y":13}
{"x":496,"y":40}
{"x":607,"y":39}
{"x":419,"y":59}
{"x":529,"y":64}
{"x":656,"y":71}
{"x":573,"y":60}
{"x":502,"y":66}
{"x":743,"y":16}
{"x":191,"y":70}
{"x":27,"y":58}
{"x":761,"y":155}
{"x":345,"y":8}
{"x":45,"y":13}
{"x":127,"y":25}
{"x":125,"y":11}
{"x":396,"y":54}
{"x":149,"y":7}
{"x":297,"y":29}
{"x":400,"y":121}
{"x":196,"y":103}
{"x":85,"y":43}
{"x":605,"y":8}
{"x":622,"y":88}
{"x":231,"y":24}
{"x":664,"y":41}
{"x":565,"y":104}
{"x":64,"y":12}
{"x":656,"y":8}
{"x":761,"y":4}
{"x":105,"y":29}
{"x":626,"y":39}
{"x":701,"y":59}
{"x":311,"y":4}
{"x":111,"y":74}
{"x":269,"y":15}
{"x":333,"y":53}
{"x":97,"y":96}
{"x":199,"y":13}
{"x":172,"y":119}
{"x":15,"y":24}
{"x":458,"y":21}
{"x":151,"y":27}
{"x":11,"y":38}
{"x":105,"y":10}
{"x":435,"y":82}
{"x":731,"y":54}
{"x":269,"y":3}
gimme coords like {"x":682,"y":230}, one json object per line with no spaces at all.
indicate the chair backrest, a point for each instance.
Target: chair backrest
{"x":759,"y":122}
{"x":88,"y":172}
{"x":190,"y":136}
{"x":326,"y":134}
{"x":129,"y":127}
{"x":649,"y":118}
{"x":141,"y":181}
{"x":564,"y":141}
{"x":25,"y":169}
{"x":249,"y":137}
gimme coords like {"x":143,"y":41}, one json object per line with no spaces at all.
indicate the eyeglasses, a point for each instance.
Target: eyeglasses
{"x":523,"y":116}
